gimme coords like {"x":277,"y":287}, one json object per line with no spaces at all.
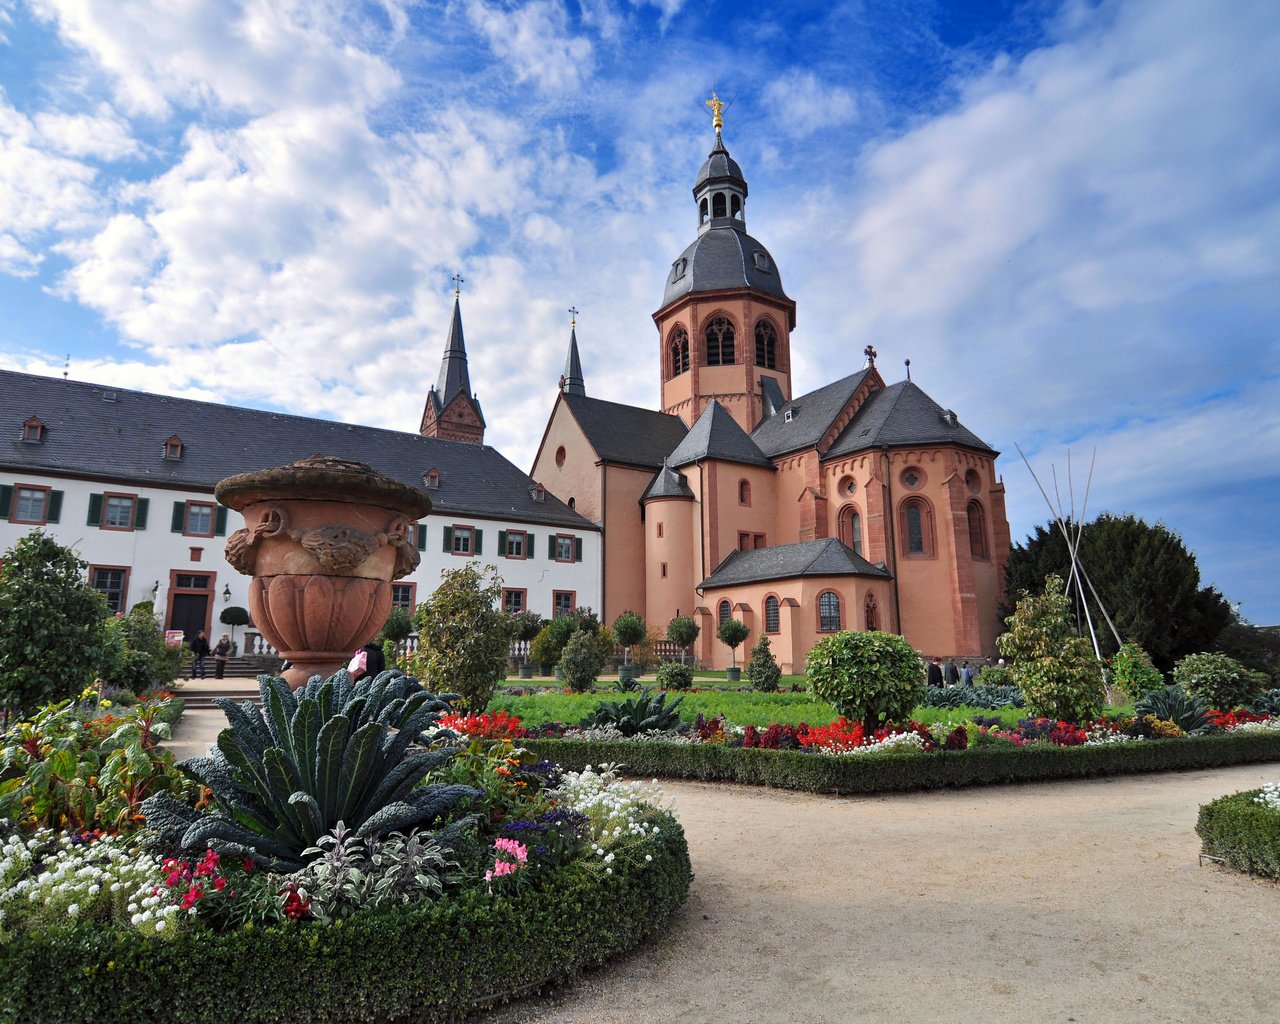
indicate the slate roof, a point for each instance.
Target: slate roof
{"x":826,"y":557}
{"x":716,"y":435}
{"x":626,"y":433}
{"x":454,"y":377}
{"x":111,"y":434}
{"x":667,"y":483}
{"x":719,"y":166}
{"x":899,"y":415}
{"x":573,"y":379}
{"x":812,"y":414}
{"x":723,"y":257}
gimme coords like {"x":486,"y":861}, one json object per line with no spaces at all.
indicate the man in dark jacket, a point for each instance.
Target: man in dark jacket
{"x":375,"y":661}
{"x":199,"y":651}
{"x":951,"y":674}
{"x":935,"y":673}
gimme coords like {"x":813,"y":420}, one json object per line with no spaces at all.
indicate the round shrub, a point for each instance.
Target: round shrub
{"x":674,"y":676}
{"x":1244,"y":830}
{"x":1132,"y":671}
{"x":762,"y":669}
{"x":580,"y":661}
{"x":869,"y":677}
{"x":1222,"y":681}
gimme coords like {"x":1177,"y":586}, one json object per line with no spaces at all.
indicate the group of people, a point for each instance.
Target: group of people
{"x":948,"y":675}
{"x":200,"y":650}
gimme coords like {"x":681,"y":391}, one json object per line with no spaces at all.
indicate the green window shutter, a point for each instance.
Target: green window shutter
{"x":422,"y":536}
{"x":220,"y":522}
{"x":479,"y":543}
{"x":179,"y":517}
{"x":502,"y":543}
{"x":551,"y":546}
{"x":55,"y":507}
{"x":140,"y":514}
{"x":95,"y":510}
{"x":448,"y":539}
{"x":6,"y":500}
{"x":528,"y":545}
{"x":577,"y":549}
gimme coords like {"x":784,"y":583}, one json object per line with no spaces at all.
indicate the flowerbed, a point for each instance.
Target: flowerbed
{"x":1243,"y":829}
{"x":468,"y":871}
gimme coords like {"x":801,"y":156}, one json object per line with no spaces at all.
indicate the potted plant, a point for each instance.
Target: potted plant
{"x":628,"y":630}
{"x":528,"y":626}
{"x":682,"y":631}
{"x":731,"y":634}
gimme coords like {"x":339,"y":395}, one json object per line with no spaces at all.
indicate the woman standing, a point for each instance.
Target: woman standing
{"x":221,"y":652}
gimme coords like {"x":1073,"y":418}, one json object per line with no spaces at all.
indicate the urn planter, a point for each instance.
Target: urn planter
{"x":323,"y":539}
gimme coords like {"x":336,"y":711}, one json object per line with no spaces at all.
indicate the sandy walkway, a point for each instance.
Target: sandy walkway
{"x":1077,"y":901}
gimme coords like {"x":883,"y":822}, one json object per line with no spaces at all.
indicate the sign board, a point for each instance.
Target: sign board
{"x":173,"y":637}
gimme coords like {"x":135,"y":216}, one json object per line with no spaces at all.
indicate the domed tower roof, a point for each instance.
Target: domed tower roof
{"x":723,"y":256}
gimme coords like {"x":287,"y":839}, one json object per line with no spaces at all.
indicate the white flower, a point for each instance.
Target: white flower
{"x":160,"y":925}
{"x":73,"y":910}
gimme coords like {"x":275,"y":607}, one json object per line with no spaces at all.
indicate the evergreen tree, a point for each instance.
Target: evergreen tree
{"x":464,"y":636}
{"x":1146,"y":577}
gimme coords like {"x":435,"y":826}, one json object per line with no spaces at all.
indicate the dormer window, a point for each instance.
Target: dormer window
{"x":173,"y":448}
{"x":432,"y":479}
{"x":678,"y":268}
{"x":761,"y":259}
{"x":788,"y":416}
{"x":538,"y":493}
{"x":33,"y":430}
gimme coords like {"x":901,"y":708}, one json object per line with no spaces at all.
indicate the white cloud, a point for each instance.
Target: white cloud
{"x":536,"y":41}
{"x":101,"y":135}
{"x":800,"y":104}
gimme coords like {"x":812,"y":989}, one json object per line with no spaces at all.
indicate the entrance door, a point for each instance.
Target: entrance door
{"x":189,"y":613}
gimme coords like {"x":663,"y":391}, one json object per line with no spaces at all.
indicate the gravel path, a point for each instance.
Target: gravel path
{"x":1078,"y":901}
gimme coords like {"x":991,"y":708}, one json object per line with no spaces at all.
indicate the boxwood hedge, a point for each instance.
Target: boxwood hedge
{"x":422,"y":964}
{"x":977,"y":766}
{"x":1245,"y":834}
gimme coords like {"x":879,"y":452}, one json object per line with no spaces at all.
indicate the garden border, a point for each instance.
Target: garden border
{"x":1243,"y":834}
{"x":887,"y":773}
{"x":421,"y":964}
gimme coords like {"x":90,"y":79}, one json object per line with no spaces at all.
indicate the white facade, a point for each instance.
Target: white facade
{"x":176,"y":558}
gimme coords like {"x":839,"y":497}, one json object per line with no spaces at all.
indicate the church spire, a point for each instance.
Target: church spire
{"x":572,"y":381}
{"x":454,"y":378}
{"x":452,"y":411}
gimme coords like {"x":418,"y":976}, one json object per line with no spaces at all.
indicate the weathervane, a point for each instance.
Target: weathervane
{"x":717,"y":106}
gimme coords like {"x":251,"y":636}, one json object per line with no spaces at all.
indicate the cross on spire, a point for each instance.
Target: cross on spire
{"x":870,"y":353}
{"x":457,"y":283}
{"x":573,"y":313}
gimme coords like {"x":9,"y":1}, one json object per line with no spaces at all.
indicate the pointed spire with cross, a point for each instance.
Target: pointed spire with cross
{"x":572,"y":380}
{"x":871,"y":354}
{"x":458,"y":279}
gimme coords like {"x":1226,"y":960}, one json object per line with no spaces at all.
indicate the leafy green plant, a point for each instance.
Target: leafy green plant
{"x":1173,"y":704}
{"x":682,"y":631}
{"x":1222,"y":681}
{"x":870,"y":677}
{"x":528,"y":625}
{"x":150,"y":663}
{"x":1267,"y":703}
{"x":647,"y":712}
{"x":990,"y":697}
{"x":1132,"y":671}
{"x":995,"y":676}
{"x":628,"y":630}
{"x":1244,"y":830}
{"x":52,"y":624}
{"x":762,"y":668}
{"x":395,"y":631}
{"x":731,"y":633}
{"x":672,"y":675}
{"x":1054,"y":668}
{"x":233,"y":616}
{"x":549,"y":643}
{"x":464,"y":636}
{"x":285,"y":774}
{"x":580,"y":661}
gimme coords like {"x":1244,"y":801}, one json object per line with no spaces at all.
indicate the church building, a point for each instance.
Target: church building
{"x":860,"y":505}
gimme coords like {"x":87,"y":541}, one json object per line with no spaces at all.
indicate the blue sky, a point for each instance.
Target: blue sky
{"x":1064,"y":213}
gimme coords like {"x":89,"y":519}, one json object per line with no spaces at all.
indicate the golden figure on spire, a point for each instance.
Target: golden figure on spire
{"x":717,"y":109}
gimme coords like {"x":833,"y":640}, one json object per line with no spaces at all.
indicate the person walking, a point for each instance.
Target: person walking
{"x":199,"y":651}
{"x":374,"y":661}
{"x":950,"y":673}
{"x":221,"y":652}
{"x":966,"y":675}
{"x":935,"y":673}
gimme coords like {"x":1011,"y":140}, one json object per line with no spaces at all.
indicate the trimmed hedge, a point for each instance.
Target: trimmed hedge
{"x":423,"y":964}
{"x":977,"y":766}
{"x":1246,"y":835}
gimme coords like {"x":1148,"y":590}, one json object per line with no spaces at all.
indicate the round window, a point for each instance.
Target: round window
{"x":560,"y":456}
{"x":848,"y":485}
{"x":973,"y":481}
{"x":913,"y":478}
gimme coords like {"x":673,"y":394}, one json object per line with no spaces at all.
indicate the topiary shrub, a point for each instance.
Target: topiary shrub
{"x":731,"y":633}
{"x":763,"y":672}
{"x":682,"y":631}
{"x":1223,"y":682}
{"x":1055,"y":669}
{"x":580,"y":661}
{"x":674,"y":676}
{"x":234,"y":616}
{"x":1244,"y":830}
{"x":871,"y":677}
{"x":285,"y":774}
{"x":628,"y":630}
{"x":1132,"y":671}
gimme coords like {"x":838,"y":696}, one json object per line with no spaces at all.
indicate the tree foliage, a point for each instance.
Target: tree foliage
{"x":731,"y":633}
{"x":682,"y":631}
{"x":580,"y":663}
{"x":52,"y":624}
{"x":1132,"y":671}
{"x":762,"y":668}
{"x":871,"y":677}
{"x":1054,"y":668}
{"x":1222,"y":682}
{"x":628,"y":630}
{"x":1146,"y":577}
{"x":464,"y":636}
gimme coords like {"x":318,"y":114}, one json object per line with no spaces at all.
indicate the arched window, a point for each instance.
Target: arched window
{"x":829,"y":612}
{"x":723,"y":612}
{"x":849,"y":528}
{"x":870,"y":613}
{"x":744,"y":492}
{"x":573,"y":503}
{"x":771,"y":617}
{"x":679,"y":352}
{"x":717,"y":205}
{"x":915,"y":521}
{"x":735,"y":207}
{"x":720,"y":342}
{"x":702,"y":212}
{"x":977,"y":530}
{"x":766,"y":345}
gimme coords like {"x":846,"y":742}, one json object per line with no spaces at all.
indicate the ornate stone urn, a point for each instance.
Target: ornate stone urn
{"x":323,"y":539}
